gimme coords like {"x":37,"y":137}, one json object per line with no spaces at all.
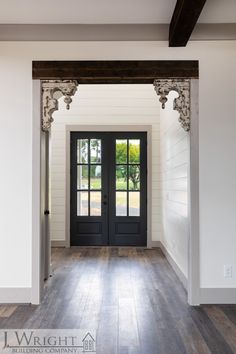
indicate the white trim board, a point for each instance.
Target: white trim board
{"x":15,"y":295}
{"x":173,"y":264}
{"x":110,"y":128}
{"x":217,"y":296}
{"x":110,"y":32}
{"x":156,"y":244}
{"x":207,"y":295}
{"x":58,"y":243}
{"x":37,"y":281}
{"x":193,"y":199}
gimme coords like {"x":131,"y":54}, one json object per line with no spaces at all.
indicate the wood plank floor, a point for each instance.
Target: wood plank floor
{"x":134,"y":300}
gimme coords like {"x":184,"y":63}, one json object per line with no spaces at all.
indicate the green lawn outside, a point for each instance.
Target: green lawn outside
{"x":120,"y":183}
{"x":120,"y":197}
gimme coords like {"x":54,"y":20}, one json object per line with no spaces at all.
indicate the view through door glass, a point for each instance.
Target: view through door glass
{"x":127,"y":177}
{"x":89,"y":177}
{"x":108,"y":189}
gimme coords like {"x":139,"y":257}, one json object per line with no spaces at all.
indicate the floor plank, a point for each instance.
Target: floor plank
{"x":134,"y":300}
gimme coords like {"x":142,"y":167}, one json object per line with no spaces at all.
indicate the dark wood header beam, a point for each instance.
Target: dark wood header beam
{"x":183,"y":21}
{"x":114,"y":72}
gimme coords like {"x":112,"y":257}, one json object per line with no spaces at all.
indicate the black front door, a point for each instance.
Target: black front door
{"x":108,"y":189}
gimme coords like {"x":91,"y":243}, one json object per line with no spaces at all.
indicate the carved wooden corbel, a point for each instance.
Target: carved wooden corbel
{"x":181,"y":103}
{"x":52,"y":90}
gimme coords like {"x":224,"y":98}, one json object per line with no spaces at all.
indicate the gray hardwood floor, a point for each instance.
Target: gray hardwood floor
{"x":133,"y":299}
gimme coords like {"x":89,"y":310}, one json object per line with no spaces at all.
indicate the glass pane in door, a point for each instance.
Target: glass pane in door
{"x":95,"y":204}
{"x":82,"y":177}
{"x":121,"y":151}
{"x":121,"y":203}
{"x":82,"y":203}
{"x":82,"y":151}
{"x":121,"y":177}
{"x":134,"y":203}
{"x":95,"y":176}
{"x":134,"y":177}
{"x":134,"y":151}
{"x":95,"y":151}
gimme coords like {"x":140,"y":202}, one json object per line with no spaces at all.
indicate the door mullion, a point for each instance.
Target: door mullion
{"x":111,"y":194}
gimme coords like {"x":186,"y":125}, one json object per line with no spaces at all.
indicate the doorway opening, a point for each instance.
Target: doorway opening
{"x":108,"y":189}
{"x":193,"y":272}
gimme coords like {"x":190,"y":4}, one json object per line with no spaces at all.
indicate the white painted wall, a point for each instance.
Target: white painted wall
{"x":217,"y":131}
{"x":174,"y":165}
{"x":105,"y":105}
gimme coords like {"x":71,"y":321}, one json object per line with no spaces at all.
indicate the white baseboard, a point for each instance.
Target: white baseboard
{"x":156,"y":244}
{"x":15,"y":295}
{"x":218,"y":296}
{"x":207,"y":295}
{"x":58,"y":243}
{"x":174,"y":265}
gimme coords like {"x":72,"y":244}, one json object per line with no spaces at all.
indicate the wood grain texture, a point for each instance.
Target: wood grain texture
{"x":134,"y":300}
{"x":115,"y":72}
{"x":183,"y":21}
{"x":7,"y":311}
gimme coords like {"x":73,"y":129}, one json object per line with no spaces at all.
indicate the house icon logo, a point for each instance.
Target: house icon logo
{"x":89,"y":344}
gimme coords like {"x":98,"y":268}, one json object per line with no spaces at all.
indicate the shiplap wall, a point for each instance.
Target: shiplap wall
{"x":105,"y":105}
{"x":174,"y":164}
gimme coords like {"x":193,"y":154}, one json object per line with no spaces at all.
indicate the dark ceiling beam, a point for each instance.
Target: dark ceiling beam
{"x":115,"y":72}
{"x":183,"y":21}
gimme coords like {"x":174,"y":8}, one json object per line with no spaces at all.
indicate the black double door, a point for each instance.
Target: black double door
{"x":108,"y":189}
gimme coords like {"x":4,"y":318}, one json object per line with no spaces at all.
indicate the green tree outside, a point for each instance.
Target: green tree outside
{"x":134,"y":157}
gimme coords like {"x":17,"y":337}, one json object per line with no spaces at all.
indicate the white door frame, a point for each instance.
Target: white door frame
{"x":193,"y":252}
{"x":194,"y":296}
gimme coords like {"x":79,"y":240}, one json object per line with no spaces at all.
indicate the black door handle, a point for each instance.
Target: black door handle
{"x":46,"y":212}
{"x":104,"y":203}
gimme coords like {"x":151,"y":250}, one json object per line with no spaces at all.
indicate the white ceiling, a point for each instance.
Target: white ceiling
{"x":106,"y":11}
{"x":85,"y":11}
{"x":218,"y":11}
